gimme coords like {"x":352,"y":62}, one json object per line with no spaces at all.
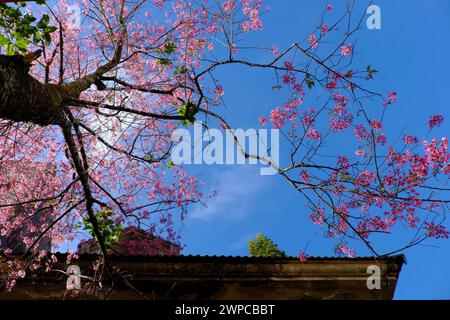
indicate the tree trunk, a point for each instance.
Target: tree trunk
{"x":25,"y":99}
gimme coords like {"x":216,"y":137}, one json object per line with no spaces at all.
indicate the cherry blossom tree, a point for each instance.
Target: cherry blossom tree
{"x":86,"y":123}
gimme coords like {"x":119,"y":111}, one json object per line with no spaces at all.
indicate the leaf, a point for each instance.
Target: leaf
{"x":164,"y":62}
{"x":47,"y":38}
{"x":180,"y":70}
{"x":37,"y":37}
{"x":170,"y":164}
{"x":22,"y":44}
{"x":344,"y":176}
{"x":43,"y":23}
{"x":28,"y":19}
{"x":349,"y":74}
{"x":310,"y":84}
{"x":21,"y":29}
{"x":264,"y":247}
{"x":50,"y":29}
{"x":3,"y":40}
{"x":10,"y":50}
{"x":276,"y":88}
{"x":169,"y":48}
{"x":188,"y":110}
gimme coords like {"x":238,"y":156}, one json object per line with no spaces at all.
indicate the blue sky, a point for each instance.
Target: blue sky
{"x":411,"y":53}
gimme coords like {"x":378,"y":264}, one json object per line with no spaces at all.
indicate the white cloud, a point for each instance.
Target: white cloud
{"x":237,"y":187}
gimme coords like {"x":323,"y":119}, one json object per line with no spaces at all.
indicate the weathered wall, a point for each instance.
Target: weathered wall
{"x":206,"y":278}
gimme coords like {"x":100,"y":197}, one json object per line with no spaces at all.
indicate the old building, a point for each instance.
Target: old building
{"x":133,"y":241}
{"x":235,"y":278}
{"x":22,"y":175}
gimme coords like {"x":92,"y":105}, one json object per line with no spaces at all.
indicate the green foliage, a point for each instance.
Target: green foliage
{"x":169,"y":48}
{"x":148,"y":157}
{"x":19,"y":29}
{"x":264,"y":247}
{"x":165,"y":52}
{"x":164,"y":62}
{"x":370,"y":72}
{"x":180,"y":70}
{"x":170,"y":164}
{"x":344,"y":176}
{"x":310,"y":83}
{"x":110,"y":230}
{"x":188,"y":110}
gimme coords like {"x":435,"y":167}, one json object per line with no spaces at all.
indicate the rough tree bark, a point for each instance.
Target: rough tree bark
{"x":25,"y":99}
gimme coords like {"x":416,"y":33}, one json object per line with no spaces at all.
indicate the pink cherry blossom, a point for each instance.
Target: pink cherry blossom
{"x":313,"y":134}
{"x":277,"y":117}
{"x":159,"y":3}
{"x":436,"y":231}
{"x":262,"y":120}
{"x":275,"y":50}
{"x":313,"y":41}
{"x":346,"y":50}
{"x":316,"y":216}
{"x":361,"y":132}
{"x":365,"y":178}
{"x":408,"y":139}
{"x":435,"y":120}
{"x":375,"y":124}
{"x":218,"y":92}
{"x":305,"y":176}
{"x":392,"y":98}
{"x":229,"y":5}
{"x":303,"y":257}
{"x":331,"y":85}
{"x":343,"y":250}
{"x":170,"y":62}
